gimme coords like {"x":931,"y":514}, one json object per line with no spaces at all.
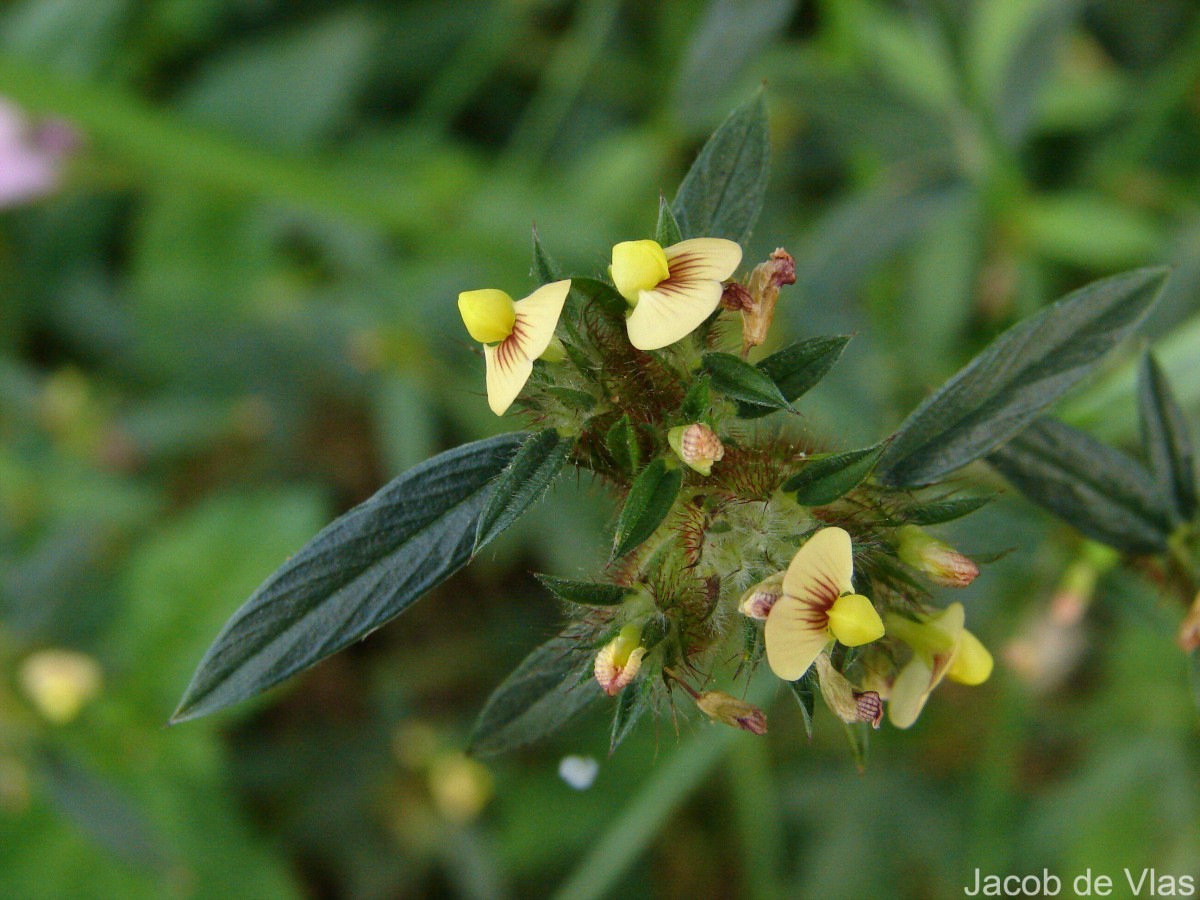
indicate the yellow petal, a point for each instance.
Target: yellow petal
{"x":854,"y":621}
{"x":671,"y":312}
{"x":911,"y":690}
{"x":637,"y":266}
{"x":488,"y":314}
{"x":797,"y":628}
{"x":537,"y":315}
{"x":972,"y":663}
{"x":712,"y":259}
{"x":507,"y":371}
{"x":822,"y":568}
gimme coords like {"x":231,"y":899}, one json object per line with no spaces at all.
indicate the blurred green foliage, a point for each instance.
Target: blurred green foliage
{"x":236,"y":319}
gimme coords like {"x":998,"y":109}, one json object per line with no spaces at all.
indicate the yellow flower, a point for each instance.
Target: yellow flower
{"x":672,"y":290}
{"x":817,"y":605}
{"x":619,"y":660}
{"x":942,"y":648}
{"x":513,"y":335}
{"x":60,"y":682}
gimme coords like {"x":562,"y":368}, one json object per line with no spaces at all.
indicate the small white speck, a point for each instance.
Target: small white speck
{"x":578,"y":771}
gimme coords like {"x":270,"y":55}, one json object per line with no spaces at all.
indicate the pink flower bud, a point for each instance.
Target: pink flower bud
{"x":721,"y":707}
{"x":942,"y":563}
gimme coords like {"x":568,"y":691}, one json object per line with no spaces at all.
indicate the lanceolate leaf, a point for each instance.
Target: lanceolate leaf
{"x":585,"y":593}
{"x":621,"y":441}
{"x":542,"y":694}
{"x":825,"y":480}
{"x":938,"y":511}
{"x":666,"y":231}
{"x":1023,"y":371}
{"x":523,"y":483}
{"x":604,"y":295}
{"x":631,"y":703}
{"x":737,"y":379}
{"x":1166,"y":438}
{"x":1093,"y":487}
{"x":806,"y":695}
{"x":722,"y":193}
{"x":544,"y":269}
{"x":796,"y":369}
{"x":360,"y":571}
{"x":650,"y":499}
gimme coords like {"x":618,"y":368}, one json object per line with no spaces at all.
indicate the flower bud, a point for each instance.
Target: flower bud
{"x":721,"y":707}
{"x":697,"y":445}
{"x":763,"y":288}
{"x":60,"y":682}
{"x":756,"y":603}
{"x":637,"y":266}
{"x":619,"y":660}
{"x":489,"y":314}
{"x":843,"y":700}
{"x":943,"y":564}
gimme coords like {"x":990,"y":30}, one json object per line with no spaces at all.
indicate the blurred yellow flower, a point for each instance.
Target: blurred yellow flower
{"x":671,"y":290}
{"x":942,"y":648}
{"x":60,"y":682}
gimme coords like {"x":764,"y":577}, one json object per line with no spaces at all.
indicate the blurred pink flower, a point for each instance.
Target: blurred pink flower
{"x":31,"y":157}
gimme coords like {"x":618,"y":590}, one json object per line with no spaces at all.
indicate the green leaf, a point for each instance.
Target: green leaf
{"x":939,"y":511}
{"x":824,"y":480}
{"x":666,"y":230}
{"x":650,"y":499}
{"x":541,"y":695}
{"x":360,"y":571}
{"x":604,"y":295}
{"x":1166,"y":438}
{"x":580,"y":401}
{"x":805,"y":693}
{"x":621,"y":441}
{"x":737,"y":379}
{"x":544,"y":269}
{"x":631,"y":703}
{"x":722,"y":193}
{"x":584,"y":593}
{"x":796,"y":369}
{"x":1022,"y":372}
{"x":1093,"y":487}
{"x":859,"y":735}
{"x":522,"y":483}
{"x":697,"y":402}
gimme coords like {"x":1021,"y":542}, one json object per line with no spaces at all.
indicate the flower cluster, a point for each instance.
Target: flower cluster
{"x":830,"y":590}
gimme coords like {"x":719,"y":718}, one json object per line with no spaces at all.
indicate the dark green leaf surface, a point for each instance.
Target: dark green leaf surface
{"x":825,"y":480}
{"x":357,"y":573}
{"x":585,"y":593}
{"x":632,"y":702}
{"x":621,"y":441}
{"x":603,"y":294}
{"x":805,"y":692}
{"x":666,"y":230}
{"x":722,"y":193}
{"x":939,"y":511}
{"x":1021,"y":373}
{"x":796,"y":369}
{"x":1166,"y":438}
{"x":541,"y":695}
{"x":1093,"y":487}
{"x":650,"y":499}
{"x":522,"y":483}
{"x":544,"y":269}
{"x":695,"y":406}
{"x":738,"y":380}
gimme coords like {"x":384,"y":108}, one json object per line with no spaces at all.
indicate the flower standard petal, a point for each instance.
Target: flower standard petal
{"x":713,"y":259}
{"x":670,"y":312}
